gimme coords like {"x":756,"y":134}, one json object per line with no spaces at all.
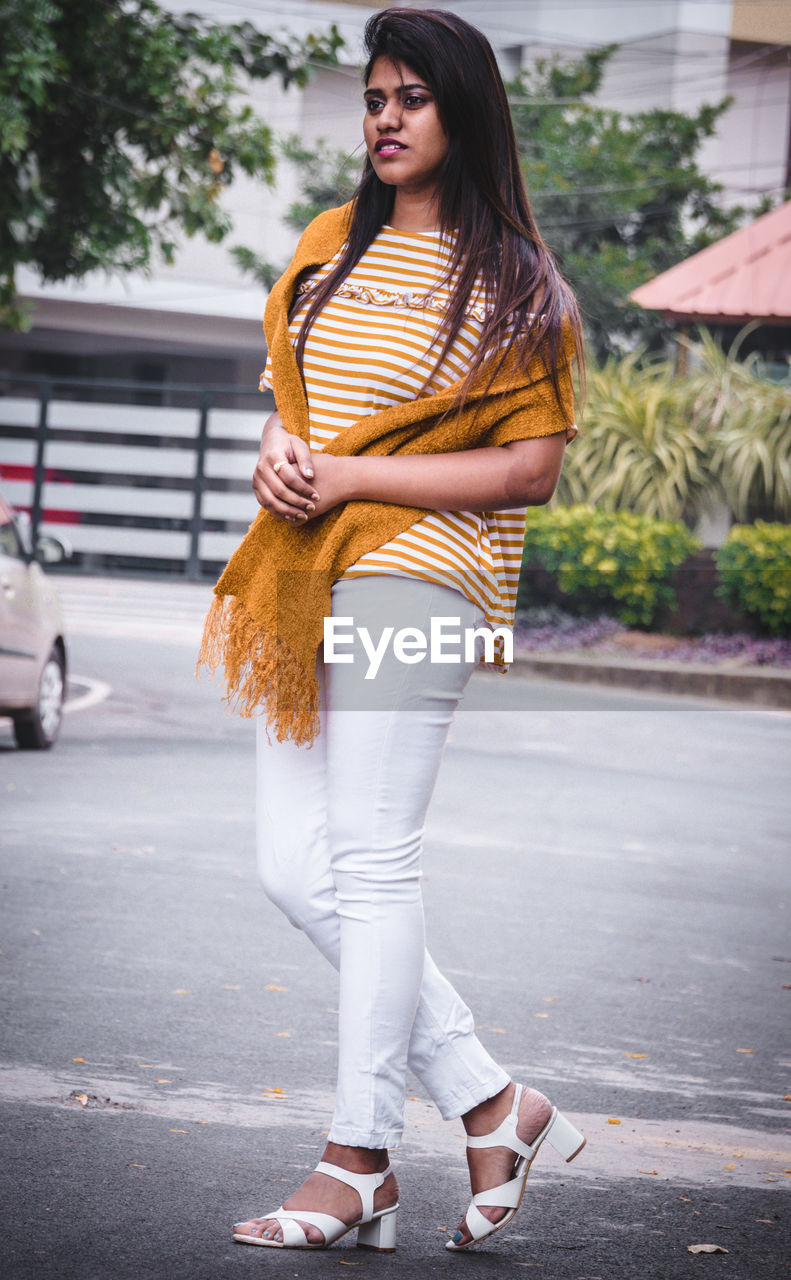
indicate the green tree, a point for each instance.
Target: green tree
{"x":618,"y":197}
{"x":327,"y":178}
{"x":120,"y":125}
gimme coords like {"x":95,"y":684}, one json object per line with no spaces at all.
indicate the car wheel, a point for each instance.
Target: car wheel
{"x":37,"y":729}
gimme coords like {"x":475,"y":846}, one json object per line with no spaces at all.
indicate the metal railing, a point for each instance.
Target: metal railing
{"x":162,"y":486}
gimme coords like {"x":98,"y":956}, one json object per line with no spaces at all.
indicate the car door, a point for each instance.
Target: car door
{"x":19,"y":645}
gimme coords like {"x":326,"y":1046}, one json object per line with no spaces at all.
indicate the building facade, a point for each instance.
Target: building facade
{"x":199,"y":321}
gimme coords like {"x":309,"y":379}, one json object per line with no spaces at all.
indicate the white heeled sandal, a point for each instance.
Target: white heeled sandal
{"x":559,"y":1132}
{"x":375,"y":1230}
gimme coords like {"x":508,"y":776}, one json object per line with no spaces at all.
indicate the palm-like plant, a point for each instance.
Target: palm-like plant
{"x":645,"y":444}
{"x":674,"y":447}
{"x":751,"y":454}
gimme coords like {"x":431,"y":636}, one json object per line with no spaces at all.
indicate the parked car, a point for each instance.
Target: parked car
{"x":32,"y":640}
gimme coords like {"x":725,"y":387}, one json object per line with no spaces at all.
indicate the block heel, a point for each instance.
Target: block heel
{"x":380,"y":1233}
{"x":564,"y":1137}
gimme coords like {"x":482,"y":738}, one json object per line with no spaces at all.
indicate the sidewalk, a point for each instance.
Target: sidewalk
{"x":761,"y":686}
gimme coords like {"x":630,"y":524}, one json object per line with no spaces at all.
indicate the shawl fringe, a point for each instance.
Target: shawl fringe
{"x":262,"y":674}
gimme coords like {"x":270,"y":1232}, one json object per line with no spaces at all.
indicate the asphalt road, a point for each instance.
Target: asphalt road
{"x":606,"y":882}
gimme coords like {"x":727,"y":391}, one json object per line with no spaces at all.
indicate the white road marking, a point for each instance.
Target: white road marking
{"x":95,"y":691}
{"x":688,"y":1152}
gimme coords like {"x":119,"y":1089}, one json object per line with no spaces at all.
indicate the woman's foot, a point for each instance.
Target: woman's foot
{"x":321,"y":1193}
{"x":492,"y":1166}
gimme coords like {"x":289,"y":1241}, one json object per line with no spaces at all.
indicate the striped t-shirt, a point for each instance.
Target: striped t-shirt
{"x":369,"y":349}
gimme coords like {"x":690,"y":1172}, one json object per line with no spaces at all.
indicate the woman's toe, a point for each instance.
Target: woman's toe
{"x":462,"y":1235}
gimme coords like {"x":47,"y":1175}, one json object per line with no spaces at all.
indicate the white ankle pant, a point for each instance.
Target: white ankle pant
{"x":340,"y":827}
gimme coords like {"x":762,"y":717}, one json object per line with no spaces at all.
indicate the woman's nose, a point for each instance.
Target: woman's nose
{"x":390,"y":116}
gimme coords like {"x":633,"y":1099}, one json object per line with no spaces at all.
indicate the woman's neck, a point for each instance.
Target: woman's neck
{"x":414,"y":212}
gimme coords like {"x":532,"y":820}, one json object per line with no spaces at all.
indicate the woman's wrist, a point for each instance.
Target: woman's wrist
{"x":350,"y":477}
{"x":273,"y":423}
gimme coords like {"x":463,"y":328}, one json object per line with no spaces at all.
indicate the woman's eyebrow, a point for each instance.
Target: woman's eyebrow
{"x":401,"y":88}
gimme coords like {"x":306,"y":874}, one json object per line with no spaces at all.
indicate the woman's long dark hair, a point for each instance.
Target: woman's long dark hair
{"x":481,"y":196}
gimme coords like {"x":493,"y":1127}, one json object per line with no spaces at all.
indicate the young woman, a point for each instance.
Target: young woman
{"x":420,"y":351}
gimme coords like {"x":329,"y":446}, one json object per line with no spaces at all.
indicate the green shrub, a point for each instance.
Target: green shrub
{"x":754,"y":567}
{"x":607,"y":560}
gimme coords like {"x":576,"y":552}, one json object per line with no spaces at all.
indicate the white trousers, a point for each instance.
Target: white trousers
{"x":340,"y":828}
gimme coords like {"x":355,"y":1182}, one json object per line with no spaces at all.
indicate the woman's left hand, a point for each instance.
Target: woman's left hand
{"x":330,"y":482}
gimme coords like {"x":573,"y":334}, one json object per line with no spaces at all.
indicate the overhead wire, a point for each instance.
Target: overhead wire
{"x":590,"y":221}
{"x":597,"y":5}
{"x":127,"y":109}
{"x":520,"y":34}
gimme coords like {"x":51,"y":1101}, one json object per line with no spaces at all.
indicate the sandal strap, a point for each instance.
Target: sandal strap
{"x":365,"y":1184}
{"x":505,"y":1134}
{"x":289,"y":1219}
{"x":477,"y":1225}
{"x":506,"y":1196}
{"x":293,"y":1235}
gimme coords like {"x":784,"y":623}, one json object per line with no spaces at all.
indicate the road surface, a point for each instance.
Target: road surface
{"x":606,"y":882}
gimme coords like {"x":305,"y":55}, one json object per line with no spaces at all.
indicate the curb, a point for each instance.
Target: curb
{"x":755,"y":685}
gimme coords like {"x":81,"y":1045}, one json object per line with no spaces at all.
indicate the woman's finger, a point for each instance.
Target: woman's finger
{"x":278,"y":443}
{"x":282,"y":475}
{"x":284,"y":483}
{"x":277,"y":497}
{"x":302,"y":457}
{"x":283,"y":510}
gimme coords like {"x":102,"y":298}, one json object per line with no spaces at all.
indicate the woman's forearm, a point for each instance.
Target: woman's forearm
{"x":488,"y":479}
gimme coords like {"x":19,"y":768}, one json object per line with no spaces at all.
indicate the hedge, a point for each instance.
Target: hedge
{"x":606,"y":560}
{"x":754,"y":568}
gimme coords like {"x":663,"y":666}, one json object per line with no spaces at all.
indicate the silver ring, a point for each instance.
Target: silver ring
{"x":276,"y":467}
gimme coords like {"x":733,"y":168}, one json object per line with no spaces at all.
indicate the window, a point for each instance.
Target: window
{"x":10,"y":544}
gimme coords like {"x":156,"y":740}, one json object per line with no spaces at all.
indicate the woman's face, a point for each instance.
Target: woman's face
{"x":404,"y":136}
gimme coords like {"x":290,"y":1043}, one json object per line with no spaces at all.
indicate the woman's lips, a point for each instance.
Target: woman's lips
{"x":389,"y":147}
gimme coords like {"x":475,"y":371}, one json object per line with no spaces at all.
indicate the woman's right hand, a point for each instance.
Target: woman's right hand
{"x":287,"y":493}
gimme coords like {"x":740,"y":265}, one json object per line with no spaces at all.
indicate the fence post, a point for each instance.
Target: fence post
{"x":192,"y":568}
{"x":36,"y":510}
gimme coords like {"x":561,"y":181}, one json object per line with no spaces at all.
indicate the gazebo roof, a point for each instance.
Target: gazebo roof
{"x":746,"y":276}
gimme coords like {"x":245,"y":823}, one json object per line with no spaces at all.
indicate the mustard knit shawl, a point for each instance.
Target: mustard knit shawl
{"x":267,"y":617}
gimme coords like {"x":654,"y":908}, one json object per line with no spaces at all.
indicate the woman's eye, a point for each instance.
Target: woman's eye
{"x":411,"y":100}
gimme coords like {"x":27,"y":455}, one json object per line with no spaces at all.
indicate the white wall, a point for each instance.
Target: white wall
{"x":749,"y":155}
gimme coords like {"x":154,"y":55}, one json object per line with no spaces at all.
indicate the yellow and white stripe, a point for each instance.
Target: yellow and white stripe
{"x":372,"y":346}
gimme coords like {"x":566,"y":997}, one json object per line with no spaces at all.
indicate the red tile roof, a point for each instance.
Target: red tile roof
{"x":746,"y":276}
